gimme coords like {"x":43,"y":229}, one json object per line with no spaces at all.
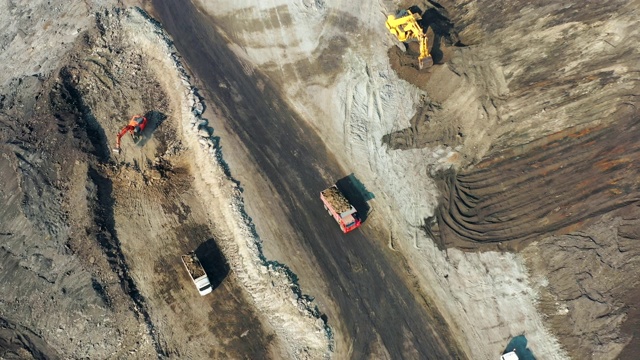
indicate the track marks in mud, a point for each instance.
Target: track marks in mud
{"x":549,"y":186}
{"x":363,"y":102}
{"x":593,"y":285}
{"x":427,"y":129}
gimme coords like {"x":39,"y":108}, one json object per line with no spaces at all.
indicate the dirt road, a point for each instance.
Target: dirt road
{"x":376,"y":313}
{"x":151,"y":212}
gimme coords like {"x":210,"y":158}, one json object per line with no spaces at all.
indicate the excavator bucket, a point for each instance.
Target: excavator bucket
{"x":135,"y":135}
{"x":425,"y":59}
{"x":425,"y":63}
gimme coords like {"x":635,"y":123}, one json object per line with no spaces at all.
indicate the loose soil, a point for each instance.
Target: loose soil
{"x":337,"y":201}
{"x":565,"y":199}
{"x":129,"y":216}
{"x":98,"y":236}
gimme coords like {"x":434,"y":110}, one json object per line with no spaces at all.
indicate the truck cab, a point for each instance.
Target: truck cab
{"x":350,"y":221}
{"x":204,"y":285}
{"x":511,"y":355}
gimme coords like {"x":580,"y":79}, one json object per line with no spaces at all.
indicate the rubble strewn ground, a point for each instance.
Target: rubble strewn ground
{"x":496,"y":85}
{"x":270,"y":285}
{"x":115,"y":225}
{"x":541,"y":236}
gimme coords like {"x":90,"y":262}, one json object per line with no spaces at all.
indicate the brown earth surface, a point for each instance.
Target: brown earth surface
{"x":575,"y":196}
{"x":567,"y":199}
{"x":546,"y":187}
{"x":539,"y":98}
{"x":372,"y":304}
{"x":591,"y":299}
{"x":114,"y":225}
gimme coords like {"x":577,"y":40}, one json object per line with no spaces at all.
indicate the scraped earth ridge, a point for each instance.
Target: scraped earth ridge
{"x":110,"y":228}
{"x":270,"y":284}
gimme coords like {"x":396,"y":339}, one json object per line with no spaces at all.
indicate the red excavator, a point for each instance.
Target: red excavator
{"x":135,"y":127}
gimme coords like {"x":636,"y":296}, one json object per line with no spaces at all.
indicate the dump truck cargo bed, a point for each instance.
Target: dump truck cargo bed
{"x":338,"y":202}
{"x":197,"y":273}
{"x":193,"y":265}
{"x":340,"y":209}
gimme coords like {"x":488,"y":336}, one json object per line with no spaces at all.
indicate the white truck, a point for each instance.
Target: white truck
{"x":197,"y":273}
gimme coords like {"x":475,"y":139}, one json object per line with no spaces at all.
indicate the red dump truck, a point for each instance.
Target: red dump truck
{"x":340,"y":208}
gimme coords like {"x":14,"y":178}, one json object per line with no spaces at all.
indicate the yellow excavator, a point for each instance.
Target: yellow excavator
{"x":405,"y":27}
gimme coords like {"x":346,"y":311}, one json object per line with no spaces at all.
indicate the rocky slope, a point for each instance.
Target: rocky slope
{"x":98,"y":236}
{"x":557,"y":67}
{"x":529,"y":115}
{"x":51,"y":249}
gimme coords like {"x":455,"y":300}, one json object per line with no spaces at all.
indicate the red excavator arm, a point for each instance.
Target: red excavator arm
{"x":135,"y":127}
{"x":121,"y":134}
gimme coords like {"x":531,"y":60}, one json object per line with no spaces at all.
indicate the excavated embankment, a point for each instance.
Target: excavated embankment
{"x":546,"y":187}
{"x":98,"y":235}
{"x":528,"y":69}
{"x":542,"y":107}
{"x":573,"y":197}
{"x":60,"y":248}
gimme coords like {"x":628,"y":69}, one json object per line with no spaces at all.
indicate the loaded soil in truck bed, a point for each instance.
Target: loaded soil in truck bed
{"x":337,"y":201}
{"x":193,"y":265}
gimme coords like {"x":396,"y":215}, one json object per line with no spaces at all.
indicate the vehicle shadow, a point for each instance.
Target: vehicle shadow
{"x":519,"y":345}
{"x":154,"y":120}
{"x":357,"y":194}
{"x":442,"y":28}
{"x":213,"y":262}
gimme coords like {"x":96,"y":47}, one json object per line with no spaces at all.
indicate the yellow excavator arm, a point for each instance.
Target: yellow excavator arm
{"x":406,"y":28}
